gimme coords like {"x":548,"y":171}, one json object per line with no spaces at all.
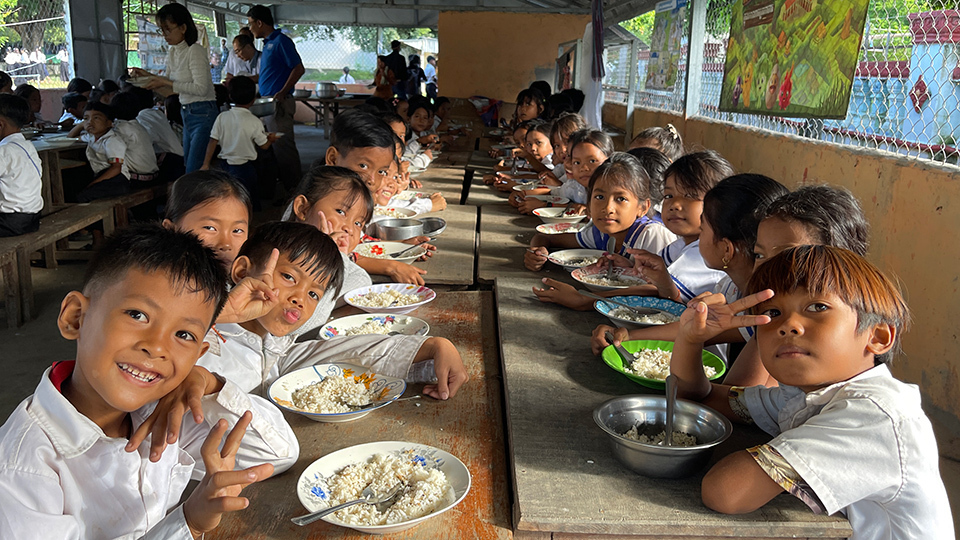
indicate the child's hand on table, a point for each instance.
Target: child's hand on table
{"x":561,"y":293}
{"x":598,"y":342}
{"x":535,"y":257}
{"x":528,"y":205}
{"x":515,"y":199}
{"x":437,"y":202}
{"x":448,"y":367}
{"x":489,"y":178}
{"x":618,"y":261}
{"x":164,"y":422}
{"x":253,"y":297}
{"x":219,"y":490}
{"x":414,"y":183}
{"x":404,"y":273}
{"x":575,"y":209}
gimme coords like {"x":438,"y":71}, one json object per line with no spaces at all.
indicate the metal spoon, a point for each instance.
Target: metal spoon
{"x":368,"y":497}
{"x":399,"y":254}
{"x":381,"y":402}
{"x":611,"y":248}
{"x":625,"y":357}
{"x":671,"y":406}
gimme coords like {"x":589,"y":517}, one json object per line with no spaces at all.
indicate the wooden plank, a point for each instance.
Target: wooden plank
{"x":504,"y":237}
{"x":566,"y":478}
{"x":11,"y":288}
{"x":469,"y":425}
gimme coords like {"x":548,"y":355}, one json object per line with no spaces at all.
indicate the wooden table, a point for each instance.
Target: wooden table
{"x":331,"y":106}
{"x":51,"y":169}
{"x":453,"y":263}
{"x":469,"y":425}
{"x":567,"y":484}
{"x":504,"y":237}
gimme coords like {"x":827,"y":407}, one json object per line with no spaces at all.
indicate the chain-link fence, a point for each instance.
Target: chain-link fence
{"x":33,"y":42}
{"x":906,"y":89}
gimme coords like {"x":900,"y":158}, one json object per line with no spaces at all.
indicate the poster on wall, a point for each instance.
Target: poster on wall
{"x":665,"y":45}
{"x":792,"y":58}
{"x":151,"y":47}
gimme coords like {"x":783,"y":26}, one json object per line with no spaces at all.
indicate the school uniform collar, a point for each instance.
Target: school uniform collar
{"x":635,"y":229}
{"x":70,"y":432}
{"x":271,"y":343}
{"x":800,"y":406}
{"x":13,"y":138}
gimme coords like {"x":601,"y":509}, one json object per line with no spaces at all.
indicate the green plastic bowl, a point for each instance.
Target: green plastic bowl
{"x":612,"y":359}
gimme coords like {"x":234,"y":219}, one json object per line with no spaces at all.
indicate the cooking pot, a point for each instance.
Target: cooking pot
{"x":326,"y":90}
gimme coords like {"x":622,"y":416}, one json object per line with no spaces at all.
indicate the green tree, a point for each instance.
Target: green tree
{"x":32,"y":34}
{"x":640,"y":26}
{"x":364,"y":37}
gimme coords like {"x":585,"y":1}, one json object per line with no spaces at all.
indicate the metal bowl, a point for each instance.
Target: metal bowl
{"x":263,"y":107}
{"x":301,"y":93}
{"x":398,"y":229}
{"x":618,"y":415}
{"x":327,"y":90}
{"x":433,"y":226}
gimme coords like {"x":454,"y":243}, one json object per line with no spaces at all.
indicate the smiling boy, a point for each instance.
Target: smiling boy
{"x":148,"y":299}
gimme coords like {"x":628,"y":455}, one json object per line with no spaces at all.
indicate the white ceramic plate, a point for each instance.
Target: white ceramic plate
{"x":559,"y":228}
{"x":564,"y":257}
{"x":356,"y":296}
{"x":527,"y":186}
{"x":403,"y":324}
{"x":312,"y":492}
{"x":393,"y":212}
{"x":385,"y":388}
{"x":411,"y":194}
{"x":382,"y":250}
{"x":555,"y":215}
{"x":553,"y":199}
{"x":622,"y":273}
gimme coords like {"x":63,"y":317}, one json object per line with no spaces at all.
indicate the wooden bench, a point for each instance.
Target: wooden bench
{"x":123,"y":203}
{"x":15,"y":252}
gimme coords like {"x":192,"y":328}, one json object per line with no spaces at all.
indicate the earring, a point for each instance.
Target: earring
{"x":725,"y":262}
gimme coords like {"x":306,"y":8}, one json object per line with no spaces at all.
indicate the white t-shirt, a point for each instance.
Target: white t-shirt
{"x":105,"y":151}
{"x":865,"y":448}
{"x":643,"y":234}
{"x":354,"y":277}
{"x":347,"y":78}
{"x":139,"y":157}
{"x":430,"y":73}
{"x":238,"y":130}
{"x":572,"y":190}
{"x":61,"y":477}
{"x":237,"y":66}
{"x":162,"y":135}
{"x":690,"y":274}
{"x":67,"y":116}
{"x":20,"y":184}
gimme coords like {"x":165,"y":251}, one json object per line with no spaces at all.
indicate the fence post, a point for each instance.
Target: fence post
{"x":631,"y":90}
{"x":698,"y":25}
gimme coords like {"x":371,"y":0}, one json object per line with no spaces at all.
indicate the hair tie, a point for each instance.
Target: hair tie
{"x":673,"y":131}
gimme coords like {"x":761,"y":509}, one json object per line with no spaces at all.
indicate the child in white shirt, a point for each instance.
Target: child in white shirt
{"x":73,"y":106}
{"x":848,"y":437}
{"x":139,"y":323}
{"x":140,"y":159}
{"x":257,"y":352}
{"x":422,"y":136}
{"x":20,"y":185}
{"x":239,"y":133}
{"x":106,"y":152}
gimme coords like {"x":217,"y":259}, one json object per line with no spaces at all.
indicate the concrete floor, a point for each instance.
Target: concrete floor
{"x":26,"y":351}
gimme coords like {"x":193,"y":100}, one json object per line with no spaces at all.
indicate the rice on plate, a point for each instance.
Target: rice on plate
{"x":335,"y":392}
{"x":655,"y":364}
{"x":393,"y":212}
{"x":380,"y":298}
{"x":433,"y":481}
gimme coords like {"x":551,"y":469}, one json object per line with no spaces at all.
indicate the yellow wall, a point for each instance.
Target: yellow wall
{"x":914,"y":211}
{"x":496,"y":54}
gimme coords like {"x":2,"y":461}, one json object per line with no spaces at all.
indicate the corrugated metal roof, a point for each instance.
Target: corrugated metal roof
{"x":419,"y":13}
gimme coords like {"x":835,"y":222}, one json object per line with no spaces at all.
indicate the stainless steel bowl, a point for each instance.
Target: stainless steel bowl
{"x":301,"y":93}
{"x":398,"y":229}
{"x":264,"y":107}
{"x":618,"y":415}
{"x":327,"y":90}
{"x":432,"y":226}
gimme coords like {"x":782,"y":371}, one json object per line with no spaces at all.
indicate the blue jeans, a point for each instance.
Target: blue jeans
{"x":198,"y":119}
{"x":247,"y":175}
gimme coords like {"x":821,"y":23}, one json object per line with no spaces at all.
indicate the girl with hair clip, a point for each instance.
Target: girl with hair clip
{"x":563,"y":128}
{"x":731,"y":216}
{"x":587,"y":150}
{"x":665,"y":139}
{"x":678,"y":272}
{"x":188,"y":75}
{"x":538,"y":152}
{"x":530,"y":105}
{"x":619,"y":200}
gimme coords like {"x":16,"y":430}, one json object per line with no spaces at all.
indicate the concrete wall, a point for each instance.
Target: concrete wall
{"x":499,"y":54}
{"x":914,"y":211}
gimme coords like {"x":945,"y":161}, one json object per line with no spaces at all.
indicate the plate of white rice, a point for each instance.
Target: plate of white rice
{"x":378,"y":298}
{"x":434,"y":481}
{"x":374,"y":323}
{"x":571,"y":259}
{"x":667,"y":311}
{"x":596,"y":279}
{"x":382,"y":250}
{"x":650,"y":364}
{"x":336,"y":392}
{"x":393,"y":212}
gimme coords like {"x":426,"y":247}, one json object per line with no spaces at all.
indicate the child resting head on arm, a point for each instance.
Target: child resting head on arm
{"x":149,"y":297}
{"x":665,"y":139}
{"x":848,"y":436}
{"x":563,"y":127}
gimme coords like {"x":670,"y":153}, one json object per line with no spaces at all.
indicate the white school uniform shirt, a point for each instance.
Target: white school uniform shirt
{"x":61,"y":477}
{"x":643,"y":234}
{"x":688,"y":271}
{"x":105,"y":151}
{"x":347,"y":78}
{"x":188,"y":66}
{"x":255,"y":363}
{"x":548,"y":162}
{"x":68,"y":116}
{"x":417,"y":204}
{"x":238,"y":130}
{"x":162,"y":135}
{"x":865,"y":447}
{"x":139,"y":157}
{"x":20,"y":184}
{"x":413,"y":152}
{"x":572,"y":190}
{"x":354,"y":277}
{"x":237,"y":66}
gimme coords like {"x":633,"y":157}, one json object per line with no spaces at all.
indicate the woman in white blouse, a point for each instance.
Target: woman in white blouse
{"x":188,"y":74}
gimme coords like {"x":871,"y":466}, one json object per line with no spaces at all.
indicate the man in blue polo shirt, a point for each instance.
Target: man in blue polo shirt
{"x":280,"y":69}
